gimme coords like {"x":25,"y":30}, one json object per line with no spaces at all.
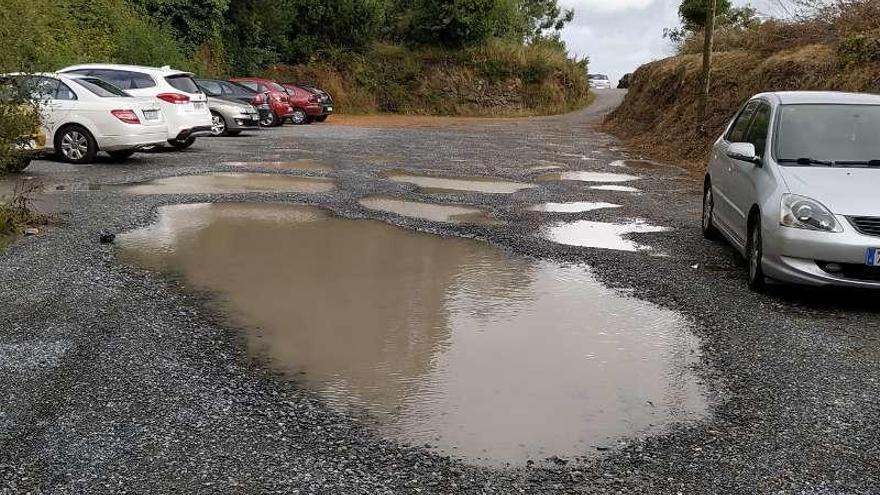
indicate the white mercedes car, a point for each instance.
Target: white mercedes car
{"x":184,"y":105}
{"x":81,"y":116}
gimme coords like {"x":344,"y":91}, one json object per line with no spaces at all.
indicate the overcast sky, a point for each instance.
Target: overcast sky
{"x":620,"y":35}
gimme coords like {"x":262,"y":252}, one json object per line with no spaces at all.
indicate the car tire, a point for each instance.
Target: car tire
{"x":708,"y":227}
{"x":755,"y":257}
{"x":270,"y":120}
{"x":121,"y":155}
{"x":322,"y":118}
{"x":299,"y":117}
{"x":75,"y":144}
{"x":182,"y":144}
{"x":218,"y":125}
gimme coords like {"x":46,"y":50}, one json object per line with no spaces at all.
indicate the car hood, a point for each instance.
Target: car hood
{"x":845,"y":191}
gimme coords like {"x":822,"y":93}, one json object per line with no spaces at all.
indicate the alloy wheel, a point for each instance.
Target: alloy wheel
{"x":74,"y":145}
{"x":708,"y":206}
{"x":218,"y":125}
{"x":299,"y":117}
{"x":268,"y":120}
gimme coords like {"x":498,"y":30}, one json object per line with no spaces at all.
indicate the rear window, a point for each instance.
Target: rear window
{"x":100,"y":87}
{"x":276,"y":87}
{"x":183,"y":82}
{"x":123,"y":79}
{"x":211,"y":88}
{"x":236,"y":89}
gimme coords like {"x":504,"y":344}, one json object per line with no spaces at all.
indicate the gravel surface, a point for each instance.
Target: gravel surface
{"x":117,"y":381}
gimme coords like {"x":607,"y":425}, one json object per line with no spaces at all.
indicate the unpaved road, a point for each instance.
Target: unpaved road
{"x":117,"y":381}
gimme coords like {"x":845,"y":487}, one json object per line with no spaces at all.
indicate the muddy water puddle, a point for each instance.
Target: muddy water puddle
{"x":572,"y":207}
{"x":227,"y":183}
{"x":602,"y":235}
{"x":443,"y":341}
{"x":306,"y":165}
{"x":456,"y":184}
{"x":616,"y":188}
{"x":583,"y":176}
{"x":428,"y":211}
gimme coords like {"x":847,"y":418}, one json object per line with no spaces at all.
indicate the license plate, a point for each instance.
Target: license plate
{"x":200,"y":105}
{"x":873,"y":257}
{"x":151,"y":115}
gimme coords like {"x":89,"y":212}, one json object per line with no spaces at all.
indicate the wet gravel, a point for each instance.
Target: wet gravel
{"x":117,"y":381}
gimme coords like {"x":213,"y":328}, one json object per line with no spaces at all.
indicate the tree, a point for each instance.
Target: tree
{"x":695,"y":13}
{"x":699,"y":15}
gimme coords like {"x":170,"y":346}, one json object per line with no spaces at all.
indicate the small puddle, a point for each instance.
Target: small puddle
{"x":482,"y":354}
{"x":574,"y":207}
{"x":428,"y":211}
{"x":306,"y":165}
{"x":588,"y":176}
{"x":612,"y":187}
{"x":585,"y":233}
{"x":227,"y":183}
{"x":469,"y":184}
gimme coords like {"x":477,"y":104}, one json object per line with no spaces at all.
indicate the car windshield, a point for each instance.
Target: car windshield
{"x":100,"y":87}
{"x":828,"y":134}
{"x":276,"y":87}
{"x":598,"y":77}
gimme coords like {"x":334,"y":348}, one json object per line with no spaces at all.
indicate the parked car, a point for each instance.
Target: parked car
{"x":279,"y":100}
{"x":307,"y":104}
{"x":81,"y":116}
{"x":625,"y":81}
{"x":792,"y":184}
{"x":230,"y":116}
{"x":599,"y":81}
{"x":324,"y":99}
{"x":234,"y":91}
{"x":183,"y":105}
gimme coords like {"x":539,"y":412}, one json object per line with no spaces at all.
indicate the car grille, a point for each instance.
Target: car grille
{"x":866,"y":225}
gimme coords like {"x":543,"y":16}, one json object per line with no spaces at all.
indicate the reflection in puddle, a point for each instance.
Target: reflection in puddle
{"x":428,"y":211}
{"x":612,"y":187}
{"x":229,"y":183}
{"x":445,"y":341}
{"x":574,"y":207}
{"x":588,"y":176}
{"x":585,"y":233}
{"x":472,"y":184}
{"x":305,"y":164}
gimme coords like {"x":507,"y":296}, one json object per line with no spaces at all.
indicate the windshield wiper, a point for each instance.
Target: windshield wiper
{"x":807,"y":161}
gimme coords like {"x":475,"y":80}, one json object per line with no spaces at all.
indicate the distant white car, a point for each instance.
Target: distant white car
{"x":83,"y":115}
{"x":599,"y":81}
{"x":184,"y":105}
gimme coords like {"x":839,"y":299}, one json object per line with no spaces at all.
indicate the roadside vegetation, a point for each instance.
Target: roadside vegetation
{"x":833,"y":46}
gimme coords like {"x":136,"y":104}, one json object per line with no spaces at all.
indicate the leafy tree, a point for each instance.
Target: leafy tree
{"x":693,"y":13}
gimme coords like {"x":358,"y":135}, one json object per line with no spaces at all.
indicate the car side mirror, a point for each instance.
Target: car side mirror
{"x":744,"y":152}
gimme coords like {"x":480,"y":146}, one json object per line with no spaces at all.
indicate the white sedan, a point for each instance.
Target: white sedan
{"x":81,"y":116}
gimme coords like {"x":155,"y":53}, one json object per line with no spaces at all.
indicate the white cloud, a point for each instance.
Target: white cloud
{"x":605,"y":5}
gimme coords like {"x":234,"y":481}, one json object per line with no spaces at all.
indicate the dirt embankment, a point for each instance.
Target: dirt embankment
{"x":840,"y":51}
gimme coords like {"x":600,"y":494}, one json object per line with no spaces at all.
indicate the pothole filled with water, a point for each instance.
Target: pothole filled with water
{"x":428,"y":211}
{"x":450,"y":342}
{"x":227,"y":183}
{"x":305,"y":164}
{"x":586,"y":233}
{"x":617,"y":188}
{"x":573,"y":207}
{"x":583,"y":176}
{"x":453,"y":184}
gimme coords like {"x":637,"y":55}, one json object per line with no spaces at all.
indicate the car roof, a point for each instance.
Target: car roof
{"x":819,"y":97}
{"x":163,"y":71}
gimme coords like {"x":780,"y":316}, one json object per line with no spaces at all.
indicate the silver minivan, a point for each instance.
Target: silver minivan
{"x":794,"y":185}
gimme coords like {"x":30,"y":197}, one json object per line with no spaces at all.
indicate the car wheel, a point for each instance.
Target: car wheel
{"x":755,"y":250}
{"x":270,"y":120}
{"x":218,"y":125}
{"x":121,"y":155}
{"x":182,"y":144}
{"x":299,"y":117}
{"x":709,"y":229}
{"x":322,"y":118}
{"x":75,"y":144}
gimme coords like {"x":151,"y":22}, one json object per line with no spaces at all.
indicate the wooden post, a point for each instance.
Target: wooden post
{"x":708,"y":34}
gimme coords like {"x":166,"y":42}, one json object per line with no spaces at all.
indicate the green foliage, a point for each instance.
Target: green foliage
{"x":693,"y":13}
{"x":859,"y":49}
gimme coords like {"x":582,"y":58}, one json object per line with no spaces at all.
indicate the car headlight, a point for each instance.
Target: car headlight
{"x":804,"y":213}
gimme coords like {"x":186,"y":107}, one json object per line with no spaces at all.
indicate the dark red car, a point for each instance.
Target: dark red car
{"x":279,"y":100}
{"x":308,"y":105}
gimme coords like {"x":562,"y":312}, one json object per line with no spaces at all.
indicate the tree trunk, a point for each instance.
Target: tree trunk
{"x":708,"y":34}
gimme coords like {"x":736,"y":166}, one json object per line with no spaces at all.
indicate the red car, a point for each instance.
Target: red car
{"x":279,"y":100}
{"x":307,"y":104}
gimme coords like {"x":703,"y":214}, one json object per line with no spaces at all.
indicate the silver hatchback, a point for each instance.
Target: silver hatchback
{"x":794,"y":185}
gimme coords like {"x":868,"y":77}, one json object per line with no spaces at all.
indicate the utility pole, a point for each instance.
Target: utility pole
{"x":708,"y":34}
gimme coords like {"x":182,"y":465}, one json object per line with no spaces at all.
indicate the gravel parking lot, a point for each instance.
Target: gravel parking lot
{"x":119,"y":381}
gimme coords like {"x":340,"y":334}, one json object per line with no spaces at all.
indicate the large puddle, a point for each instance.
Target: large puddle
{"x":586,"y":233}
{"x":573,"y":207}
{"x":229,"y":183}
{"x":444,"y":341}
{"x":467,"y":184}
{"x":428,"y":211}
{"x":588,"y":176}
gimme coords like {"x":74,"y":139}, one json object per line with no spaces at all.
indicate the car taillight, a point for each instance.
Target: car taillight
{"x":175,"y":98}
{"x":127,"y":116}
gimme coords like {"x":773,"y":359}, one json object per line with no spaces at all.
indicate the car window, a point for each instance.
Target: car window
{"x":64,"y":92}
{"x":275,"y":87}
{"x":738,"y":130}
{"x":183,"y":82}
{"x":123,"y":79}
{"x":101,"y":87}
{"x":211,"y":88}
{"x":757,"y":134}
{"x":40,"y":88}
{"x":235,"y":89}
{"x":828,"y":131}
{"x":248,"y":84}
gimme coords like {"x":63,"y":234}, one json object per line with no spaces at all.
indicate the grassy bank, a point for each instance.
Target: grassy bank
{"x":839,"y":49}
